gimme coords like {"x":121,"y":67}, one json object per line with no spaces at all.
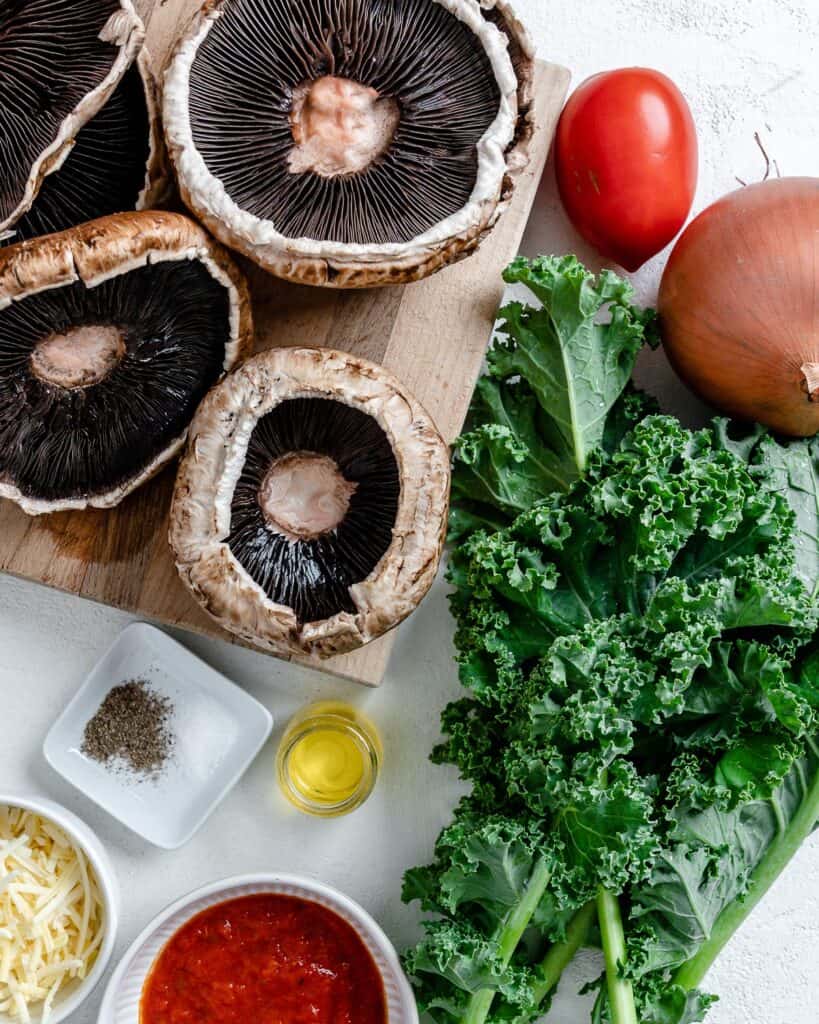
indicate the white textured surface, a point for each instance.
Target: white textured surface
{"x":745,"y":66}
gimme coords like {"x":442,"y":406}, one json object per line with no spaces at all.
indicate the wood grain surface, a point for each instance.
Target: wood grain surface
{"x":432,"y":335}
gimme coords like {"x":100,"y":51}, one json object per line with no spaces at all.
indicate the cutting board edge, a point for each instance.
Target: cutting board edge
{"x":368,"y":665}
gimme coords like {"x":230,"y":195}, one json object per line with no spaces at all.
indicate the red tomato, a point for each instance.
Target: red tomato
{"x":626,"y":158}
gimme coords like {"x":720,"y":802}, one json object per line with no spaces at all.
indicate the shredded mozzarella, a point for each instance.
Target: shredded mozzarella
{"x":51,"y":914}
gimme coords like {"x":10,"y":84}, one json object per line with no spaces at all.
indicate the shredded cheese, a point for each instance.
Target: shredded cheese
{"x":51,"y":914}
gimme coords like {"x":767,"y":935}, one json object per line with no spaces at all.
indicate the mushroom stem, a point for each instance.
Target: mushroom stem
{"x":78,"y":357}
{"x":340,"y":127}
{"x":305,"y":495}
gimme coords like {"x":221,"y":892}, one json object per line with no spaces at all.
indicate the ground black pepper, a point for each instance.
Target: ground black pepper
{"x":131,"y":730}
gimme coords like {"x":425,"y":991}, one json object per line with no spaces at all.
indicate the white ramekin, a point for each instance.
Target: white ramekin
{"x":76,"y":829}
{"x":120,"y":1005}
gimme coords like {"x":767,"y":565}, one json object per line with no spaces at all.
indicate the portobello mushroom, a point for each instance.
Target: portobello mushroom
{"x":110,"y":335}
{"x":59,"y":64}
{"x":350,"y":143}
{"x":310,"y":508}
{"x":117,"y":163}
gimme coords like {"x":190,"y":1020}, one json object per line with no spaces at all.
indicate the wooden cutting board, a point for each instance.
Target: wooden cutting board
{"x":432,"y":335}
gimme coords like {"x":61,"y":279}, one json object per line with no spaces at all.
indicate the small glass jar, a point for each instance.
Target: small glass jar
{"x":328,"y":759}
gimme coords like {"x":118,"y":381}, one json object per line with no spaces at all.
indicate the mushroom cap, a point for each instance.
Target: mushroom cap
{"x":118,"y":162}
{"x":201,"y":511}
{"x":84,"y":47}
{"x":89,"y":256}
{"x":216,"y":131}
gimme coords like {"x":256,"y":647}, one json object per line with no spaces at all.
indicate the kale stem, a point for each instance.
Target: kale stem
{"x":776,"y":858}
{"x":562,"y":953}
{"x":508,"y":936}
{"x":621,"y":995}
{"x":477,"y":1009}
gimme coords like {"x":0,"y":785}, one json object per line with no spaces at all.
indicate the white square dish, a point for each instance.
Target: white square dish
{"x":218,"y":731}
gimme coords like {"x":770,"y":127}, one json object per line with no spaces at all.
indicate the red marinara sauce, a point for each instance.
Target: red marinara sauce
{"x":264,"y":959}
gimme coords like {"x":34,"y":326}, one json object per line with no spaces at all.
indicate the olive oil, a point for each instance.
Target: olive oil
{"x":327,"y":765}
{"x":328,"y":760}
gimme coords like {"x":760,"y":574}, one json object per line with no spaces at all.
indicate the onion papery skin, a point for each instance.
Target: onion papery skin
{"x":739,"y":305}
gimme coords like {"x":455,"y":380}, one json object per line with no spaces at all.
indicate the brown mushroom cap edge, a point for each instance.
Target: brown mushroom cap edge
{"x":340,"y":266}
{"x":102,"y":249}
{"x":201,"y":509}
{"x":124,"y":30}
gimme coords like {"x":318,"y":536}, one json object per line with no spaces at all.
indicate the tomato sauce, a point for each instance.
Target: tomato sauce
{"x":264,"y":959}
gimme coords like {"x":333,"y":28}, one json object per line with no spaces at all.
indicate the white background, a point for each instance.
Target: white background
{"x":745,"y":66}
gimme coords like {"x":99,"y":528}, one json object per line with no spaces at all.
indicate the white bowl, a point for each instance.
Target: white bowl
{"x":74,"y":996}
{"x":219,"y":731}
{"x":120,"y":1005}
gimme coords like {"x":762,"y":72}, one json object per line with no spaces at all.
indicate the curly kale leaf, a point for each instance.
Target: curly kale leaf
{"x":509,"y":892}
{"x":455,"y":961}
{"x":730,"y":833}
{"x":576,"y":365}
{"x":635,"y":633}
{"x":669,"y":530}
{"x":662,"y":1003}
{"x":483,"y":863}
{"x":604,"y":835}
{"x":604,"y":634}
{"x":748,"y":687}
{"x":502,"y":466}
{"x":672,"y":1004}
{"x":789,"y":468}
{"x":557,"y":388}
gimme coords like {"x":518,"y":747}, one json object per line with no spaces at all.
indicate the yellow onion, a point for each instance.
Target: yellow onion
{"x":739,"y":305}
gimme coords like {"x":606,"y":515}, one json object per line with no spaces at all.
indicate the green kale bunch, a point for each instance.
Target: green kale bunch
{"x":636,"y":635}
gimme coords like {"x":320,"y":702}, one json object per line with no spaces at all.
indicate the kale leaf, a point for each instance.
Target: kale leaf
{"x":553,"y":393}
{"x":635,"y":618}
